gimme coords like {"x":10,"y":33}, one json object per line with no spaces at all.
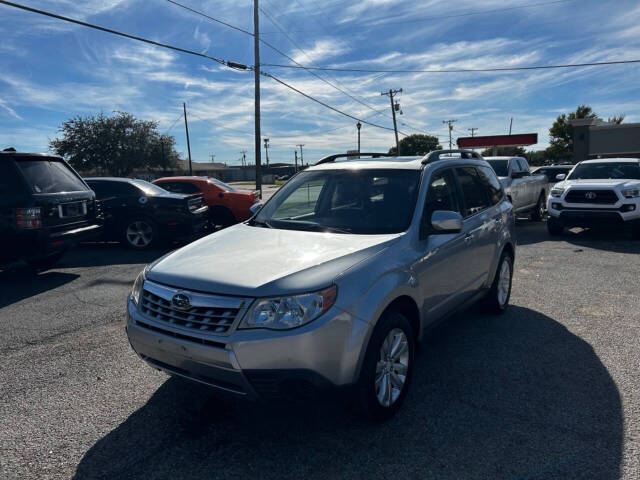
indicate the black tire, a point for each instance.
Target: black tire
{"x":45,"y":263}
{"x":147,"y":233}
{"x":635,"y":232}
{"x":538,"y":214}
{"x":495,"y":301}
{"x":554,"y":227}
{"x":367,"y":396}
{"x":222,"y":216}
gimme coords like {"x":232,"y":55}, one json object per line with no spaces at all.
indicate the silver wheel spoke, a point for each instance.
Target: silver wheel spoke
{"x":400,"y":368}
{"x":392,"y":367}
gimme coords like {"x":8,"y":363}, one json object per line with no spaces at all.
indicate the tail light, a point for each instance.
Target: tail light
{"x":28,"y":218}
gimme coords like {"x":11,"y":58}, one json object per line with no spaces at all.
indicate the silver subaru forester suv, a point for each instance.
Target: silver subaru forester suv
{"x":333,"y":281}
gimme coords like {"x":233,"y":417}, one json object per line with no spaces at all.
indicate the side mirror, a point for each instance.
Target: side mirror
{"x":561,"y":176}
{"x":444,"y":221}
{"x":255,"y":208}
{"x":517,"y":174}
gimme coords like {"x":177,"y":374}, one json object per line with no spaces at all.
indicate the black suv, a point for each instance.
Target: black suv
{"x":45,"y":207}
{"x":140,"y":213}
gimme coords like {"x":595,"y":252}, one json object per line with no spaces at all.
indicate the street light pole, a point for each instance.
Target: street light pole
{"x":358,"y":126}
{"x":256,"y":101}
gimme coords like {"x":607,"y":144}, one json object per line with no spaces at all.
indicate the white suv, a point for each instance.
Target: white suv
{"x":597,"y":193}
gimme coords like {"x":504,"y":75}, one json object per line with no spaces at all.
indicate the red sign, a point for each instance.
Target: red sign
{"x":517,"y":140}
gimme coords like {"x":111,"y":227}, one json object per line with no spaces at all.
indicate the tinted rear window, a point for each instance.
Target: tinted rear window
{"x":50,"y":176}
{"x":501,"y":167}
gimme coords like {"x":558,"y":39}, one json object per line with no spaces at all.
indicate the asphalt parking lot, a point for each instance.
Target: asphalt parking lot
{"x":548,"y":390}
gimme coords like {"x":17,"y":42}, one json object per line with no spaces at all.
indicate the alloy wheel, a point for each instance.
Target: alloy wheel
{"x":139,"y":234}
{"x":392,"y":367}
{"x":504,"y":282}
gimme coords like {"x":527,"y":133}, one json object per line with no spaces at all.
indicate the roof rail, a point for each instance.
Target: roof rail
{"x":356,"y":156}
{"x":436,"y":154}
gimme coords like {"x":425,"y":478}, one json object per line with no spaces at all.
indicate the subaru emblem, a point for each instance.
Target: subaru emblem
{"x":181,"y":301}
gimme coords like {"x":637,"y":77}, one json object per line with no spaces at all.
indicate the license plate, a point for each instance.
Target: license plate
{"x":77,"y":209}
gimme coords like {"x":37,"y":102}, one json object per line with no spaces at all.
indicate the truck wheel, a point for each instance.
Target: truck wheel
{"x":538,"y":213}
{"x":554,"y":227}
{"x":388,"y":365}
{"x":497,"y":299}
{"x":140,"y":233}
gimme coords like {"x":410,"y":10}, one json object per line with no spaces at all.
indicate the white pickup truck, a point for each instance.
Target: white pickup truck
{"x":525,"y":191}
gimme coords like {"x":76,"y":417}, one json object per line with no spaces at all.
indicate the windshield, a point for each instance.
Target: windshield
{"x":501,"y":167}
{"x":50,"y":176}
{"x":344,"y":201}
{"x":599,"y":171}
{"x":149,"y":188}
{"x":222,"y":185}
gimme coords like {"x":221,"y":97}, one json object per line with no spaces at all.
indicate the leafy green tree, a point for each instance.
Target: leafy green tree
{"x":417,"y":144}
{"x":561,"y":133}
{"x":116,"y":145}
{"x":617,"y":119}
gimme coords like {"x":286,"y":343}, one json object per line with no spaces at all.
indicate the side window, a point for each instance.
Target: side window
{"x":492,"y":184}
{"x":171,"y":186}
{"x":441,"y":194}
{"x":524,"y":165}
{"x":190,"y":188}
{"x":473,"y":189}
{"x":515,"y":165}
{"x":112,"y":189}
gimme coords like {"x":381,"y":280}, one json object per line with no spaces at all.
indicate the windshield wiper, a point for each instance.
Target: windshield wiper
{"x":261,"y":223}
{"x":334,"y":229}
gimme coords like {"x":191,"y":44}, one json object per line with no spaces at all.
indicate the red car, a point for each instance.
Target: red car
{"x":227,"y":205}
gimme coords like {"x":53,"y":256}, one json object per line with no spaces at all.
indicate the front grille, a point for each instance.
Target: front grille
{"x":195,"y":203}
{"x":208,"y":314}
{"x":604,"y":197}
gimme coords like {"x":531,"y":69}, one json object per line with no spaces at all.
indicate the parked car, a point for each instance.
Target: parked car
{"x":597,"y":193}
{"x":45,"y":208}
{"x":227,"y":205}
{"x":140,"y":213}
{"x":333,"y":282}
{"x":527,"y":192}
{"x":552,"y":172}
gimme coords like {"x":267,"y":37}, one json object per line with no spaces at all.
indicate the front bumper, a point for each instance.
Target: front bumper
{"x":256,"y":364}
{"x":580,"y":215}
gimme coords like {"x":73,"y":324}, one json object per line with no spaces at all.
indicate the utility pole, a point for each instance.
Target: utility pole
{"x":213,"y":157}
{"x":450,"y":123}
{"x":301,"y":157}
{"x":358,"y":126}
{"x":295,"y":156}
{"x":473,"y":131}
{"x":256,"y":101}
{"x":266,"y":150}
{"x":186,"y":127}
{"x":244,"y":157}
{"x":162,"y":148}
{"x":394,"y":106}
{"x":510,"y":125}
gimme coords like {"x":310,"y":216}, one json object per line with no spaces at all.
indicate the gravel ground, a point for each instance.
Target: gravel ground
{"x":548,"y":390}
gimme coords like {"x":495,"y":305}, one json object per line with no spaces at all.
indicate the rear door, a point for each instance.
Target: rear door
{"x":119,"y":201}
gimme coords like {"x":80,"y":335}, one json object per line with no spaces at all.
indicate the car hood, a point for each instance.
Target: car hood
{"x":259,"y":262}
{"x":599,"y":184}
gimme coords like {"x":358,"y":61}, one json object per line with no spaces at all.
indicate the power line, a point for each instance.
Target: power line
{"x":173,"y":124}
{"x":462,"y":70}
{"x":122,"y":34}
{"x":291,"y":87}
{"x":213,"y":19}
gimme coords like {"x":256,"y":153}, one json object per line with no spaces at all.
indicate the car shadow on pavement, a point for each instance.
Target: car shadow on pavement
{"x":512,"y":396}
{"x":16,"y":285}
{"x":105,"y":254}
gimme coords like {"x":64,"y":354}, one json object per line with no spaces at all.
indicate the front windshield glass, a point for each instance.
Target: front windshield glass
{"x":501,"y":167}
{"x":606,"y":170}
{"x":222,"y":185}
{"x":344,"y":201}
{"x":149,"y":188}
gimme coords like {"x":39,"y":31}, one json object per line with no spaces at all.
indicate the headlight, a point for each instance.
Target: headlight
{"x":557,"y":192}
{"x":631,"y":193}
{"x":284,"y":313}
{"x":137,"y":286}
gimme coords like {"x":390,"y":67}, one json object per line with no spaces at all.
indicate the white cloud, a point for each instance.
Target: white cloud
{"x":321,"y":50}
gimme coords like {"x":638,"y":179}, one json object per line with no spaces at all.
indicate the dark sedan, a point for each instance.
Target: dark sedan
{"x":140,"y":213}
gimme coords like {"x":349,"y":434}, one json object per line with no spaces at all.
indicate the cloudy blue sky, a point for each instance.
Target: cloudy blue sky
{"x":52,"y":71}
